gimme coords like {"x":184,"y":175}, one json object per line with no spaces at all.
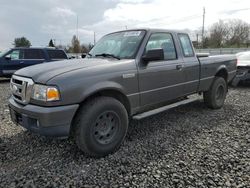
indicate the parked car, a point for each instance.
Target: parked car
{"x":18,"y":58}
{"x":243,"y":68}
{"x":128,"y":74}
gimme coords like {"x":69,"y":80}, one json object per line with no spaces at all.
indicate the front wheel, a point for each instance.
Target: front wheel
{"x":101,"y":125}
{"x":214,"y":98}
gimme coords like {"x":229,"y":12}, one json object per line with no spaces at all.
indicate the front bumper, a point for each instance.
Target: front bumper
{"x":47,"y":121}
{"x":243,"y":74}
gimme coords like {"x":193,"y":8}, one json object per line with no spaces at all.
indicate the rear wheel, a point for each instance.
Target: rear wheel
{"x":101,"y":126}
{"x":216,"y":95}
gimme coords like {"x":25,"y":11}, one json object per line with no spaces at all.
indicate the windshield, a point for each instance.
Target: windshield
{"x":123,"y":45}
{"x":3,"y":53}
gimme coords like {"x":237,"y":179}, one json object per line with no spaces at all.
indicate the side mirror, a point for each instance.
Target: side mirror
{"x":153,"y":55}
{"x":7,"y":57}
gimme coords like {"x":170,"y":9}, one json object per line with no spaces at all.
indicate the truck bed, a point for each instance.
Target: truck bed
{"x":208,"y":68}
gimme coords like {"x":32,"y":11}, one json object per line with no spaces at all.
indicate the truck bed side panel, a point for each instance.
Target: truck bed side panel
{"x":210,"y":66}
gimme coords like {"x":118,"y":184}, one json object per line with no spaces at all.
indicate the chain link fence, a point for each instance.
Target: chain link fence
{"x":219,"y":51}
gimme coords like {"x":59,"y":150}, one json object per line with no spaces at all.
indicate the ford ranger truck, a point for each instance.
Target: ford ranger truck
{"x":128,"y":74}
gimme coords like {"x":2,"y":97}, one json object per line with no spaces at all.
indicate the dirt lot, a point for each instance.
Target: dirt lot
{"x":190,"y":146}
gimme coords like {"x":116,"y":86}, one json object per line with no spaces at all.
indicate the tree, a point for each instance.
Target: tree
{"x":21,"y":42}
{"x":218,"y":34}
{"x":51,"y":44}
{"x":75,"y":45}
{"x":84,"y":49}
{"x":230,"y":33}
{"x":239,"y":32}
{"x":206,"y":42}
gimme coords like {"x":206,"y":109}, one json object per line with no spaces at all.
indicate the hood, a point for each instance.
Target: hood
{"x":41,"y":73}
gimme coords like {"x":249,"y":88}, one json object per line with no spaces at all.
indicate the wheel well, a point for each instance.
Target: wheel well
{"x":108,"y":93}
{"x":111,"y":93}
{"x":222,"y":73}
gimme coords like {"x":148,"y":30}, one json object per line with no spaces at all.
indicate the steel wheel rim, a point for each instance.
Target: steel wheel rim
{"x":219,"y":93}
{"x":105,"y":127}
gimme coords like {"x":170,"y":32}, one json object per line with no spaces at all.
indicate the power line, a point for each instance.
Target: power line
{"x":175,"y":21}
{"x":185,"y":19}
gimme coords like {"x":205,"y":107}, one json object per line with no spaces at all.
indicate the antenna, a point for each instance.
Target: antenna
{"x":54,"y":41}
{"x":94,"y":38}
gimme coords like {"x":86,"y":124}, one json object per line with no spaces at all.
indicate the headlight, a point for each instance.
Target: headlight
{"x":45,"y":93}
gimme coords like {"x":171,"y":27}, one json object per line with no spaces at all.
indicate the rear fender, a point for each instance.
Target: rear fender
{"x":222,"y":71}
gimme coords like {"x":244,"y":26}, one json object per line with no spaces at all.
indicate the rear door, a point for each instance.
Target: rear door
{"x":33,"y":57}
{"x":12,"y":61}
{"x":191,"y":68}
{"x":56,"y":55}
{"x":161,"y":81}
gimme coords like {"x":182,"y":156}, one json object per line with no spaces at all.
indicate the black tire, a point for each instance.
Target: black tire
{"x":101,"y":126}
{"x":214,"y":98}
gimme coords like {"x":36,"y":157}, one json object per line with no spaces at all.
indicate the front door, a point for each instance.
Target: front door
{"x":161,"y":81}
{"x":33,"y":57}
{"x":12,"y":61}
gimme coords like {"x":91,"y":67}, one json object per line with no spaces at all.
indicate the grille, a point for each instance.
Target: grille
{"x":21,"y":89}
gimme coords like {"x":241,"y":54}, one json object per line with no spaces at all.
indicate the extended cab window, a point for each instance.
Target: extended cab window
{"x":33,"y":54}
{"x":15,"y":54}
{"x":56,"y":54}
{"x":164,"y":41}
{"x":186,"y":45}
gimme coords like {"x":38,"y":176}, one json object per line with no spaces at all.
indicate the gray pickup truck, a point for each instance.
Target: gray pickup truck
{"x":128,"y":74}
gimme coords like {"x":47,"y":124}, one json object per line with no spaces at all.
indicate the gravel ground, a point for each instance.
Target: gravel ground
{"x":190,"y":146}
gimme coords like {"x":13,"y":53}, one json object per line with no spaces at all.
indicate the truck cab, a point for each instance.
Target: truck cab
{"x":179,"y":62}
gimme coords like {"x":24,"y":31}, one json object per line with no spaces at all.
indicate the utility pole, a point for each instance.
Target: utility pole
{"x":203,"y":25}
{"x":197,"y":39}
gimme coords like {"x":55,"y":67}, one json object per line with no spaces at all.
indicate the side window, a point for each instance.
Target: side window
{"x":164,"y":41}
{"x":15,"y":54}
{"x":33,"y":54}
{"x":186,"y":45}
{"x":57,"y":54}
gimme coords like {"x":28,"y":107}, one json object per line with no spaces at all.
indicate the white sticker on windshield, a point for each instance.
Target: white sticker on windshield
{"x":132,"y":33}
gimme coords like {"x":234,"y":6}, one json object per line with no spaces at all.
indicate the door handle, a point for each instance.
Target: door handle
{"x":179,"y":67}
{"x":21,"y":62}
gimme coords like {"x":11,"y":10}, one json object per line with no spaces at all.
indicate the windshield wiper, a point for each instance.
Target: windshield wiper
{"x":107,"y":55}
{"x":89,"y":54}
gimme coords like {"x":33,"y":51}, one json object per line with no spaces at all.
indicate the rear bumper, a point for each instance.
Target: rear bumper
{"x":243,"y":74}
{"x":47,"y":121}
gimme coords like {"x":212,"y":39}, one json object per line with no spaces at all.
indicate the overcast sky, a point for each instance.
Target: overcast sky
{"x":42,"y":20}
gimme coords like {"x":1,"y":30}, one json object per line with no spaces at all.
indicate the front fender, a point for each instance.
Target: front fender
{"x":106,"y":85}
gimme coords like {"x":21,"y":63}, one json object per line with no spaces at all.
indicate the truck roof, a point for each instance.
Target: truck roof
{"x":44,"y":48}
{"x":152,"y":30}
